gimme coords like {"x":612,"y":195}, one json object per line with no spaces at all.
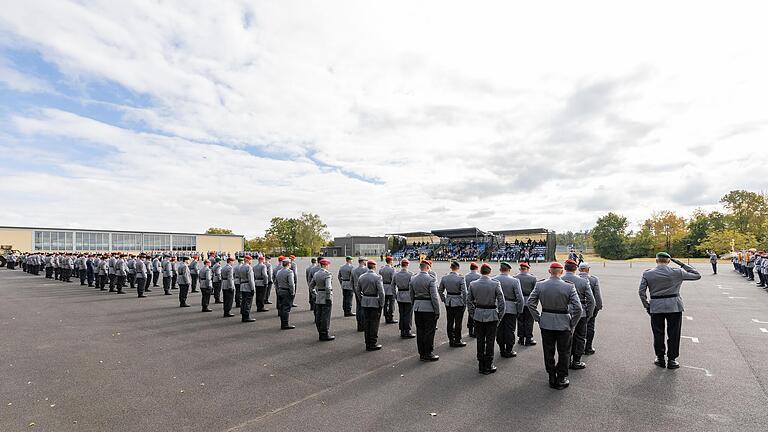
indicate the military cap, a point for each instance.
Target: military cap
{"x":556,"y":265}
{"x":230,"y":259}
{"x":405,"y":261}
{"x":525,"y":264}
{"x":218,"y":259}
{"x":239,"y":259}
{"x":292,"y":257}
{"x":486,"y":265}
{"x":248,"y":257}
{"x":261,"y":257}
{"x":362,"y":259}
{"x":583,"y":266}
{"x":280,"y":258}
{"x":349,"y":258}
{"x":473,"y":265}
{"x":184,"y":258}
{"x":506,"y":264}
{"x":455,"y":264}
{"x":206,"y":262}
{"x":570,"y":261}
{"x":325,"y":262}
{"x":371,"y":262}
{"x":663,"y":255}
{"x":286,"y":261}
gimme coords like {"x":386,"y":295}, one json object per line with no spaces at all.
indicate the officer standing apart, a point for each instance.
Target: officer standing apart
{"x":286,"y":290}
{"x":513,"y":305}
{"x":560,"y":312}
{"x":594,"y":283}
{"x":525,"y":319}
{"x":713,"y":261}
{"x":587,"y":299}
{"x":453,"y":292}
{"x":347,"y":291}
{"x":401,"y":283}
{"x":322,"y":284}
{"x":370,"y":288}
{"x":485,"y":304}
{"x":666,"y":307}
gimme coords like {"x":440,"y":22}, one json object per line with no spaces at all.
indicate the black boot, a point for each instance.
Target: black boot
{"x":553,"y":380}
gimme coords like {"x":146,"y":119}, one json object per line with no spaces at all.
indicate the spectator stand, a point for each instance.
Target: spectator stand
{"x":462,"y":244}
{"x":514,"y":245}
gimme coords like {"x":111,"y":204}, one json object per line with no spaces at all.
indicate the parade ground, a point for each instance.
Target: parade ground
{"x":75,"y":358}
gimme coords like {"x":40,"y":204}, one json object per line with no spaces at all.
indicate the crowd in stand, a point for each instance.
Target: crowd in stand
{"x":415,"y":251}
{"x":518,"y":251}
{"x":461,"y":250}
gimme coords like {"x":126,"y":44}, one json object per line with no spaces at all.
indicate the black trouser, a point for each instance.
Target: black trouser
{"x":120,"y":283}
{"x":371,"y":325}
{"x":714,"y":267}
{"x":228,"y":295}
{"x":505,"y":334}
{"x":194,"y":282}
{"x":261,"y":291}
{"x":56,"y":273}
{"x":269,"y":292}
{"x":148,"y":283}
{"x":246,"y":301}
{"x":360,"y":311}
{"x":81,"y":274}
{"x":761,"y":277}
{"x":139,"y":285}
{"x":560,"y":340}
{"x":579,"y":338}
{"x":183,"y":292}
{"x":90,"y":276}
{"x":674,"y":324}
{"x":736,"y":266}
{"x":425,"y":332}
{"x":65,"y":274}
{"x":750,"y":273}
{"x":112,"y":280}
{"x":238,"y":295}
{"x":174,"y":278}
{"x":454,"y":315}
{"x":103,"y":282}
{"x":48,"y":272}
{"x":525,"y":324}
{"x":347,"y":300}
{"x":323,"y":318}
{"x":205,"y":297}
{"x":406,"y":313}
{"x":486,"y":335}
{"x":155,"y":277}
{"x":470,"y":324}
{"x":389,"y":308}
{"x":132,"y":280}
{"x":311,"y":300}
{"x":591,"y":330}
{"x":217,"y":292}
{"x":167,"y":283}
{"x":284,"y":302}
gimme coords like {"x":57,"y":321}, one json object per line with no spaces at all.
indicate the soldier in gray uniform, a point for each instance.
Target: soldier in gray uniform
{"x":295,"y":270}
{"x":184,"y":279}
{"x":472,"y":276}
{"x":271,"y":274}
{"x":345,"y":280}
{"x":156,"y":269}
{"x":131,"y":271}
{"x":356,"y":273}
{"x":286,"y":291}
{"x":121,"y":272}
{"x":387,"y":274}
{"x":666,"y":306}
{"x":402,"y":285}
{"x":713,"y":261}
{"x":148,"y":281}
{"x":48,"y":266}
{"x":261,"y":276}
{"x":167,"y":274}
{"x":275,"y":271}
{"x":90,"y":269}
{"x":594,"y":283}
{"x":370,"y":288}
{"x":204,"y":276}
{"x":525,"y":319}
{"x":322,"y":284}
{"x":426,"y":310}
{"x":560,"y":311}
{"x":453,"y":292}
{"x":228,"y":286}
{"x":308,"y":276}
{"x":112,"y":274}
{"x":174,"y":273}
{"x":247,"y":289}
{"x":485,"y":303}
{"x":140,"y":275}
{"x":587,"y":298}
{"x":103,"y":273}
{"x":82,"y":268}
{"x":193,"y":269}
{"x":236,"y":271}
{"x":216,"y":271}
{"x":765,"y":268}
{"x":514,"y":303}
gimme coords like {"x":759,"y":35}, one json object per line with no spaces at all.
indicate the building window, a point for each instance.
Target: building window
{"x":91,"y":241}
{"x":157,"y":242}
{"x":184,"y":243}
{"x":369,"y":249}
{"x":53,"y":241}
{"x":126,"y":242}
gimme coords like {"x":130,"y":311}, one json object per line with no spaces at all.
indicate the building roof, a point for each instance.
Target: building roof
{"x":522,"y":231}
{"x":116,"y":231}
{"x":413,"y":234}
{"x":459,"y":232}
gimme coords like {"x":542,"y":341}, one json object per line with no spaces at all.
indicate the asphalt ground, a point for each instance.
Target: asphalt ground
{"x":77,"y":359}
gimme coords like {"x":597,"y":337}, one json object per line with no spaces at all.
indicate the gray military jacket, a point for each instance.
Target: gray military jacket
{"x":513,"y":294}
{"x":585,"y":292}
{"x":453,"y":290}
{"x":663,"y":283}
{"x":193,"y":267}
{"x":356,"y":273}
{"x":112,"y":261}
{"x":310,"y":271}
{"x":485,"y":301}
{"x":184,"y":276}
{"x":216,"y":272}
{"x":227,"y":277}
{"x":121,"y":268}
{"x":370,"y":288}
{"x":131,"y":263}
{"x":167,"y":268}
{"x":260,"y":274}
{"x":527,"y":282}
{"x":345,"y":276}
{"x":103,"y":270}
{"x":236,"y":273}
{"x":402,"y":282}
{"x":594,"y":283}
{"x":270,"y":273}
{"x":156,"y":267}
{"x":560,"y":304}
{"x":140,"y":269}
{"x":204,"y":275}
{"x":387,"y":273}
{"x":322,"y":284}
{"x":285,"y":280}
{"x":247,"y":281}
{"x":423,"y":288}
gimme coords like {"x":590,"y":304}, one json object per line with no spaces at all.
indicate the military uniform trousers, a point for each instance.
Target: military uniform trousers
{"x":194,"y":282}
{"x":173,"y":281}
{"x":323,"y":318}
{"x":505,"y":334}
{"x":112,"y":281}
{"x":183,"y":292}
{"x":131,"y":280}
{"x":205,"y":297}
{"x":714,"y":267}
{"x":525,"y":324}
{"x":389,"y":308}
{"x":148,"y":283}
{"x":579,"y":338}
{"x":260,"y":297}
{"x":103,"y":282}
{"x":140,"y":286}
{"x":454,"y":315}
{"x":360,"y":313}
{"x":229,"y":296}
{"x":426,"y":323}
{"x":89,"y":275}
{"x":674,"y":324}
{"x":217,"y":292}
{"x":268,"y":293}
{"x":56,"y":273}
{"x":238,"y":295}
{"x":371,"y":325}
{"x":284,"y":302}
{"x":167,"y":284}
{"x":560,"y":341}
{"x":406,"y":315}
{"x":155,"y":277}
{"x":486,"y":338}
{"x":311,"y":300}
{"x":83,"y":274}
{"x":120,"y":283}
{"x":750,"y":273}
{"x":246,"y":300}
{"x":48,"y":271}
{"x":590,"y":330}
{"x":347,"y":300}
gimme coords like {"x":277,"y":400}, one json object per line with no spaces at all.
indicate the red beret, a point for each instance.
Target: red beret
{"x":293,"y":256}
{"x":424,"y":262}
{"x":280,"y":258}
{"x":556,"y":265}
{"x":571,"y":262}
{"x":525,"y":264}
{"x":473,"y":265}
{"x":261,"y":257}
{"x":404,"y":261}
{"x":248,"y":257}
{"x":486,"y":265}
{"x":206,"y":262}
{"x":371,"y":262}
{"x":195,"y":256}
{"x":428,"y":262}
{"x":325,"y":262}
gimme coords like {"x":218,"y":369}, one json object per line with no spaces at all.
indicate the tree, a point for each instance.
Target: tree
{"x":214,"y":230}
{"x":641,"y":244}
{"x":303,"y":236}
{"x":748,"y":211}
{"x":668,"y":230}
{"x":702,"y":224}
{"x":720,"y":241}
{"x":609,"y":236}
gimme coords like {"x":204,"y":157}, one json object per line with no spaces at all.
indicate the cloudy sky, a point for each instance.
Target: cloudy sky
{"x":378,"y":116}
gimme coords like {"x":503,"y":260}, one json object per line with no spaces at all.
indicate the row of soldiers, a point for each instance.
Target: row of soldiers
{"x":751,"y":263}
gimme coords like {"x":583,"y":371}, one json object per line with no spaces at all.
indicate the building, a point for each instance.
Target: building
{"x":29,"y":239}
{"x":357,"y":246}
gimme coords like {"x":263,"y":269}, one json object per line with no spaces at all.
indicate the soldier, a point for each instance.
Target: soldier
{"x":666,"y":306}
{"x":513,"y":305}
{"x":472,"y":276}
{"x":751,"y":265}
{"x":121,"y":272}
{"x":560,"y":311}
{"x":193,"y":268}
{"x":387,"y":274}
{"x":485,"y":303}
{"x":131,"y":270}
{"x":426,"y":310}
{"x":594,"y":283}
{"x":185,"y":279}
{"x":204,"y":277}
{"x":402,"y":283}
{"x":236,"y":273}
{"x":174,"y":273}
{"x":713,"y":261}
{"x":261,"y":276}
{"x":103,"y":272}
{"x":765,"y":269}
{"x":140,"y":275}
{"x":55,"y":262}
{"x":271,"y":274}
{"x":345,"y":280}
{"x":356,"y":273}
{"x":167,"y":274}
{"x":525,"y":319}
{"x":321,"y":284}
{"x":295,"y":270}
{"x":81,"y":268}
{"x":587,"y":298}
{"x":453,"y":292}
{"x":228,"y":286}
{"x":247,"y":289}
{"x":90,"y":269}
{"x":148,"y":280}
{"x":286,"y":290}
{"x":216,"y":273}
{"x":48,"y":266}
{"x":759,"y":268}
{"x":370,"y":288}
{"x":156,"y":269}
{"x":308,"y":276}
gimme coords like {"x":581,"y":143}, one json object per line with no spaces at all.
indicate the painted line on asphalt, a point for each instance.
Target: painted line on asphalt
{"x":724,"y":293}
{"x":706,"y":371}
{"x":764,"y":330}
{"x":693,"y":339}
{"x":759,"y":322}
{"x":731,"y":297}
{"x":689,"y":318}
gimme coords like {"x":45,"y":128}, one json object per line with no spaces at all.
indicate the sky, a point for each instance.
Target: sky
{"x":380,"y":117}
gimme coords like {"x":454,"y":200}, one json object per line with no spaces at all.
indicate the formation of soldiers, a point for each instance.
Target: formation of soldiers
{"x":752,"y":264}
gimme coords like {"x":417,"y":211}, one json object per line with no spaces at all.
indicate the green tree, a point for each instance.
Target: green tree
{"x":748,"y":212}
{"x":641,"y":244}
{"x":668,"y":230}
{"x":609,"y":236}
{"x":720,"y":241}
{"x":214,"y":230}
{"x":312,"y":234}
{"x":701,"y":224}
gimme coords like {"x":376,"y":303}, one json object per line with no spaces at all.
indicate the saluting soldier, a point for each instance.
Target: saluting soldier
{"x":228,"y":286}
{"x":140,"y":275}
{"x":525,"y":319}
{"x":587,"y":299}
{"x":356,"y":273}
{"x":184,"y":279}
{"x":560,"y":312}
{"x":247,"y":289}
{"x":322,"y":284}
{"x":472,"y":276}
{"x":370,"y":288}
{"x":206,"y":285}
{"x":261,"y":276}
{"x":594,"y":283}
{"x":193,"y":269}
{"x":485,"y":303}
{"x":387,"y":274}
{"x":666,"y":307}
{"x":402,"y":284}
{"x":286,"y":290}
{"x":347,"y":290}
{"x":426,"y":310}
{"x":453,"y":292}
{"x":513,"y":305}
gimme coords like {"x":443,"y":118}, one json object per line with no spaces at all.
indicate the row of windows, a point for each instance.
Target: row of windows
{"x":369,"y":249}
{"x":96,"y":241}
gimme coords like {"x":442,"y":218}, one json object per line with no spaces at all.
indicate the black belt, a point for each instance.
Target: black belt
{"x":508,"y":299}
{"x":485,"y":307}
{"x":425,"y":299}
{"x":224,"y":278}
{"x":555,"y":311}
{"x":345,"y":280}
{"x":320,"y":289}
{"x":654,"y":297}
{"x":370,"y":295}
{"x":388,"y":283}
